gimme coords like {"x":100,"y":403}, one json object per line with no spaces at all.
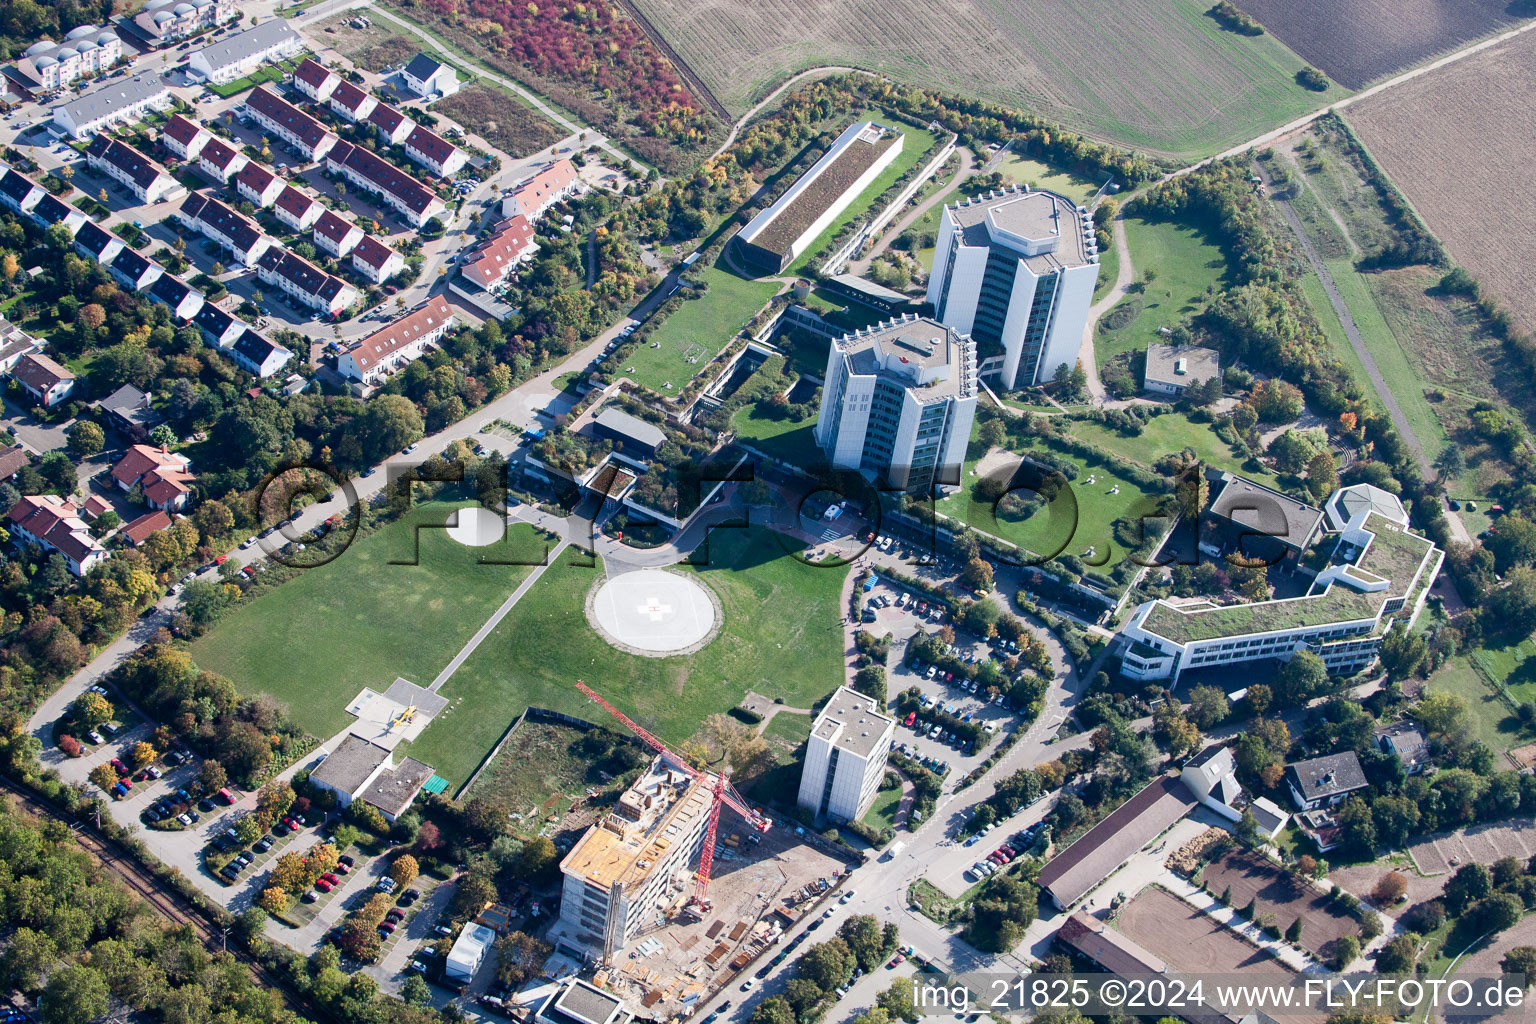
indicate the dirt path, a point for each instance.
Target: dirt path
{"x":967,"y":168}
{"x":1116,"y":292}
{"x":741,"y":122}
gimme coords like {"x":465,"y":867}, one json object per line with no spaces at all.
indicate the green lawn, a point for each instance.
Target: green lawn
{"x":781,"y":438}
{"x":1109,"y":269}
{"x":314,"y":642}
{"x":1021,"y":170}
{"x":1492,"y":722}
{"x":1187,"y":262}
{"x":700,"y":329}
{"x":1165,"y":435}
{"x":788,"y":731}
{"x":774,"y":604}
{"x":882,"y":813}
{"x":915,"y":149}
{"x":1514,"y":665}
{"x":1317,"y":298}
{"x":1077,"y":519}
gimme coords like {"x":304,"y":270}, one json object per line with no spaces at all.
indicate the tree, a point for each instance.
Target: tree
{"x":404,"y":870}
{"x":1208,"y":706}
{"x":1521,"y":960}
{"x":1514,"y":542}
{"x":273,"y":801}
{"x":977,"y":575}
{"x":773,"y":1010}
{"x":274,"y":900}
{"x":993,"y":433}
{"x":1389,"y":889}
{"x":291,"y":872}
{"x":539,"y":858}
{"x":865,"y":939}
{"x":30,"y":955}
{"x":1346,"y":950}
{"x":91,"y":709}
{"x":162,"y":436}
{"x":827,"y":964}
{"x":1402,"y":653}
{"x":389,"y":423}
{"x":74,"y":995}
{"x":1322,"y":474}
{"x":104,"y":776}
{"x":144,"y":754}
{"x":1511,"y":609}
{"x":212,"y":776}
{"x":1293,"y":933}
{"x":1450,"y":462}
{"x":1275,"y":401}
{"x":1442,"y":713}
{"x":248,"y":829}
{"x":416,"y":991}
{"x":899,"y":1001}
{"x":1497,"y":912}
{"x":474,"y":893}
{"x":85,"y":438}
{"x":1300,"y":679}
{"x":1398,"y":955}
{"x":1470,"y":883}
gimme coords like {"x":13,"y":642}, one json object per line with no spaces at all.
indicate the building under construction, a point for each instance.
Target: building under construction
{"x":634,"y":868}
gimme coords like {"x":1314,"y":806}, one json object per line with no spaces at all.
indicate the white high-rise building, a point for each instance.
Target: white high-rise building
{"x":1016,"y":271}
{"x":898,"y":403}
{"x":845,"y":756}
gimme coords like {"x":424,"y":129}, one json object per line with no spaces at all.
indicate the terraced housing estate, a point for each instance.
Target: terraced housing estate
{"x":1369,"y":575}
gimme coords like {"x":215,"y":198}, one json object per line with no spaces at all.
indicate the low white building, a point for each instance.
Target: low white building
{"x":402,"y":342}
{"x":1174,"y":369}
{"x":360,"y":770}
{"x":54,"y":524}
{"x":845,"y":756}
{"x":238,"y":55}
{"x":430,"y":78}
{"x":114,"y":103}
{"x":1212,"y":776}
{"x":468,"y":952}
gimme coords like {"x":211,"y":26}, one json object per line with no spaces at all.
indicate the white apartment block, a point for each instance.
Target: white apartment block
{"x":845,"y":756}
{"x":115,"y":103}
{"x":624,"y":870}
{"x":898,"y":403}
{"x":238,"y":55}
{"x":1016,"y":270}
{"x":86,"y":51}
{"x":167,"y":21}
{"x":1378,"y":576}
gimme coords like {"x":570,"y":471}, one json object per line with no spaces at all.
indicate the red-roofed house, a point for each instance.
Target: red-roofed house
{"x":403,"y":193}
{"x":398,"y":344}
{"x":221,"y":160}
{"x":350,"y":102}
{"x":184,"y":137}
{"x":43,"y":379}
{"x":300,"y":131}
{"x":95,"y":507}
{"x":54,"y":524}
{"x":164,"y":476}
{"x":138,"y":531}
{"x":315,"y":81}
{"x":336,"y":235}
{"x":431,"y":150}
{"x":296,"y":209}
{"x":493,"y":258}
{"x":259,"y":185}
{"x":546,"y":188}
{"x":12,"y":461}
{"x":304,"y":282}
{"x":376,"y":261}
{"x":391,"y":125}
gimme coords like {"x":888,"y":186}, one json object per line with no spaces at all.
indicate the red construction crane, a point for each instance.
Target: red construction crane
{"x":723,"y":793}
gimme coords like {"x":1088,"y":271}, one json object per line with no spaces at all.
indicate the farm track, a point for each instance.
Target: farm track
{"x":165,"y":900}
{"x":694,"y":81}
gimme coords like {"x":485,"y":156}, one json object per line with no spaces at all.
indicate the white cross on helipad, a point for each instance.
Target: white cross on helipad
{"x":654,"y":608}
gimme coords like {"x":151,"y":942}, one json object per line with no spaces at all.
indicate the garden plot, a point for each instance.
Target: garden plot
{"x":1281,"y":897}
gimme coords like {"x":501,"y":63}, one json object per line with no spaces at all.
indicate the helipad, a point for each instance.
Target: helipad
{"x":654,"y":613}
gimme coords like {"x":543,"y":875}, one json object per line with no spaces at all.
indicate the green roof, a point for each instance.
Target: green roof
{"x":1395,"y":555}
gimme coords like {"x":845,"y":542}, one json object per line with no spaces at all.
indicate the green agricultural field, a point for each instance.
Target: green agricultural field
{"x":1053,"y":530}
{"x":1159,"y":75}
{"x":697,"y":331}
{"x":1165,"y":435}
{"x":1187,"y":262}
{"x":774,"y":604}
{"x":916,"y":149}
{"x":1021,"y":170}
{"x":314,"y":642}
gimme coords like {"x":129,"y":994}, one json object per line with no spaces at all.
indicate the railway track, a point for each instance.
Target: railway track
{"x":166,"y":901}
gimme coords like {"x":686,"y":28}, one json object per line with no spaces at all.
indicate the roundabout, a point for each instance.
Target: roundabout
{"x":654,"y":613}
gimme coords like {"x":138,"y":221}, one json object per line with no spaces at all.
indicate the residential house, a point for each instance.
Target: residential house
{"x":131,"y":411}
{"x":297,"y":209}
{"x":42,"y":378}
{"x":258,"y":355}
{"x":161,"y":22}
{"x":138,"y":531}
{"x":50,"y":210}
{"x":335,"y":234}
{"x":220,"y":329}
{"x":392,"y":126}
{"x":259,"y":185}
{"x":164,"y":477}
{"x":430,"y":78}
{"x":184,"y":137}
{"x":95,"y":507}
{"x":497,"y":254}
{"x":147,"y":180}
{"x":133,"y":271}
{"x":376,"y":261}
{"x":1212,"y":776}
{"x":287,"y":122}
{"x":93,"y":243}
{"x":54,"y":524}
{"x":416,"y":203}
{"x":86,"y":52}
{"x":1323,"y":782}
{"x":19,"y":192}
{"x":304,"y":282}
{"x":117,"y":102}
{"x":15,"y":343}
{"x":315,"y":80}
{"x":393,"y":347}
{"x":1405,"y":739}
{"x":531,"y":197}
{"x":220,"y":160}
{"x":350,"y":102}
{"x":432,"y":151}
{"x":176,"y":295}
{"x":12,"y":461}
{"x":225,"y":225}
{"x":243,"y":52}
